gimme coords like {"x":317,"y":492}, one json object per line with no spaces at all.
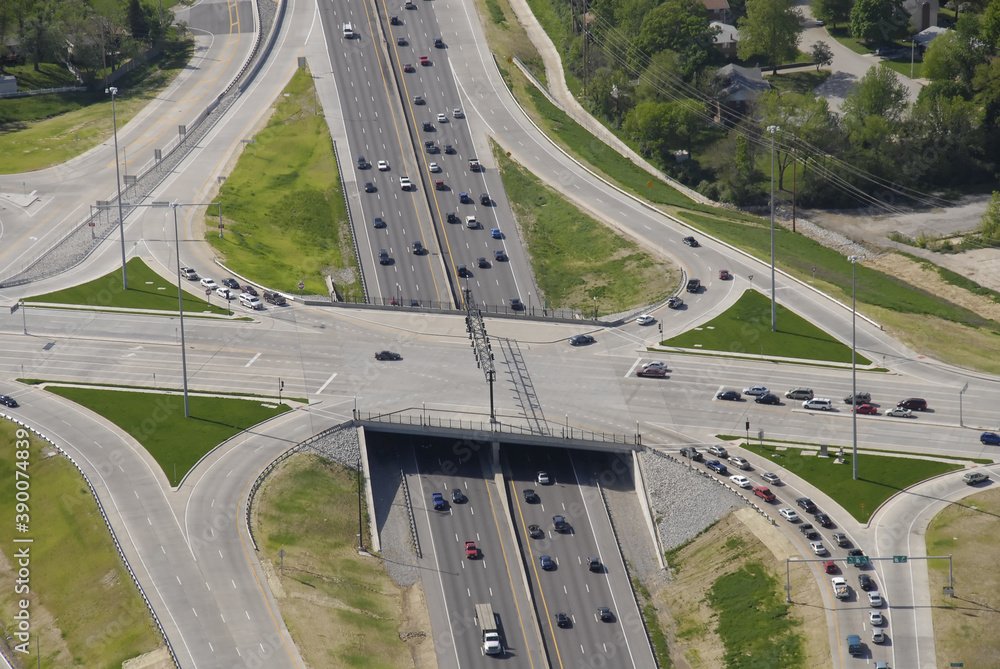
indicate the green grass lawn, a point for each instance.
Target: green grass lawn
{"x":284,"y":205}
{"x":342,"y":609}
{"x":879,"y":477}
{"x":798,"y":254}
{"x":576,"y":258}
{"x":746,"y":328}
{"x":38,"y":132}
{"x":146,"y":290}
{"x":157,"y":421}
{"x":843,"y":35}
{"x":85,"y":610}
{"x":798,"y":82}
{"x":754,"y":623}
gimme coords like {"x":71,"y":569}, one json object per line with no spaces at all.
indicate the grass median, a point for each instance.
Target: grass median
{"x":283,"y":205}
{"x":84,"y":609}
{"x":156,"y":420}
{"x":746,"y":328}
{"x":341,"y":608}
{"x":576,"y":258}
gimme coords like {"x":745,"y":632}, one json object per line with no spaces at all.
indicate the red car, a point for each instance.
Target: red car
{"x":866,"y":408}
{"x":764,"y":493}
{"x":408,"y":67}
{"x":471,"y":551}
{"x":725,"y":275}
{"x":424,"y":60}
{"x":652,"y":371}
{"x":439,"y":184}
{"x":830,"y":567}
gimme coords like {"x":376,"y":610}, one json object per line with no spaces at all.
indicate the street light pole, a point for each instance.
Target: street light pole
{"x":854,"y":358}
{"x":121,"y":226}
{"x":774,"y":324}
{"x":180,"y":309}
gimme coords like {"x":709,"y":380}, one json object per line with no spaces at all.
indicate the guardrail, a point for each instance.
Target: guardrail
{"x":111,"y":530}
{"x":350,"y":220}
{"x":409,"y":511}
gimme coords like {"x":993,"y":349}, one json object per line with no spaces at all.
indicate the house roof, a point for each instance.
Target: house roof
{"x":926,"y":36}
{"x":715,"y":4}
{"x":741,"y":83}
{"x":727,"y":33}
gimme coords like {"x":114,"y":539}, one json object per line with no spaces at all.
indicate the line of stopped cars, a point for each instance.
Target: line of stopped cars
{"x":862,"y":401}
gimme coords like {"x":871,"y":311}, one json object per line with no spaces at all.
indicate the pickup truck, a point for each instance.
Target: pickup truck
{"x":189,"y":273}
{"x":840,"y":587}
{"x":693,"y":285}
{"x":471,"y":551}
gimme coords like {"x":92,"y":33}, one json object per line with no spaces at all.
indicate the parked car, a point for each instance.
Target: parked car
{"x":789,"y":515}
{"x":773,"y":479}
{"x":658,"y":372}
{"x":731,"y":395}
{"x":387,"y":355}
{"x":719,"y":451}
{"x":913,"y":404}
{"x":740,"y":480}
{"x":764,"y":493}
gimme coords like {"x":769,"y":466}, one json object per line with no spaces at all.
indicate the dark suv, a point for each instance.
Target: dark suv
{"x":806,"y":504}
{"x":859,"y":398}
{"x":914,"y":404}
{"x":273,"y":297}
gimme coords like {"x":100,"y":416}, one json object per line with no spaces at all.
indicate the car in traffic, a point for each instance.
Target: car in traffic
{"x":756,"y":390}
{"x":542,"y":478}
{"x":771,"y":478}
{"x":865,"y":582}
{"x":499,"y":255}
{"x":383,"y":257}
{"x":990,"y":438}
{"x":546,"y":562}
{"x":441,"y":118}
{"x":562,"y":620}
{"x":658,"y":372}
{"x":457,"y":113}
{"x":823,"y":520}
{"x":424,"y":60}
{"x":457,"y":496}
{"x":859,"y":398}
{"x":644,"y":319}
{"x":471,"y":550}
{"x":913,"y":404}
{"x":875,"y":599}
{"x":693,"y":285}
{"x":224,"y":293}
{"x":516,"y":304}
{"x":559,"y":524}
{"x":594,"y":564}
{"x":482,"y":262}
{"x":438,"y":43}
{"x":818,"y":548}
{"x":764,"y":493}
{"x":730,"y":395}
{"x":581,"y":340}
{"x":370,"y":187}
{"x":717,"y":467}
{"x":434,"y":167}
{"x":408,"y":67}
{"x":808,"y":531}
{"x":530,"y":496}
{"x":464,"y":198}
{"x":362,"y":163}
{"x":211,"y":285}
{"x":418,"y":248}
{"x":788,"y":514}
{"x":830,"y":567}
{"x":740,"y":481}
{"x":900,"y":412}
{"x":604,"y":614}
{"x":8,"y":401}
{"x":878,"y":636}
{"x":383,"y":166}
{"x":404,"y":183}
{"x":189,"y":273}
{"x":463,"y":271}
{"x":841,"y":539}
{"x":973,"y":478}
{"x":378,"y":222}
{"x":675,"y":303}
{"x":495,"y":233}
{"x":767,"y":398}
{"x":437,"y":501}
{"x":799,"y":394}
{"x":875,"y":618}
{"x":725,"y":275}
{"x":691,"y":453}
{"x":274,"y":297}
{"x":690,"y":241}
{"x":431,"y":147}
{"x":718,"y":451}
{"x":738,"y":462}
{"x":818,"y":404}
{"x":535,"y":532}
{"x":485,"y":199}
{"x":387,"y":355}
{"x":866,"y":409}
{"x":247,"y":289}
{"x":806,"y":504}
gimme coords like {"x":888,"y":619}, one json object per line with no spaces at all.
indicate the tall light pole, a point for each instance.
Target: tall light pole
{"x":121,"y":226}
{"x":854,"y":357}
{"x":180,"y":308}
{"x":774,"y":321}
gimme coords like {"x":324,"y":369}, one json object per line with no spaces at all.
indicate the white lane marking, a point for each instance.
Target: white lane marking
{"x":323,"y":387}
{"x":252,"y":360}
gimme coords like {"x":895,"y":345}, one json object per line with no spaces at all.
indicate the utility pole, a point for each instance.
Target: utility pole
{"x":774,"y":321}
{"x":795,"y":164}
{"x":118,"y":178}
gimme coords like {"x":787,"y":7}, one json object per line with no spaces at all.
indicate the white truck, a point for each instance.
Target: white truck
{"x":488,"y":625}
{"x":840,"y":587}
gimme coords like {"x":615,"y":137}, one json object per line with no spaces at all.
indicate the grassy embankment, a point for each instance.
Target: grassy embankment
{"x":283,"y":204}
{"x":84,"y":609}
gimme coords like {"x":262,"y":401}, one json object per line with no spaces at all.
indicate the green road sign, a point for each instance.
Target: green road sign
{"x":858,"y":559}
{"x":899,"y":558}
{"x":958,"y":664}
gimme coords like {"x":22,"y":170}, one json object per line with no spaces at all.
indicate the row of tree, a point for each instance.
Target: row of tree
{"x":649,"y":70}
{"x":92,"y":36}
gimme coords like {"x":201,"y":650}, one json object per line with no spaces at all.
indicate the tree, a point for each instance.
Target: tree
{"x":137,"y":21}
{"x":821,"y":54}
{"x":800,"y":117}
{"x":989,"y":226}
{"x":942,"y":142}
{"x":662,"y":127}
{"x":833,"y":11}
{"x":991,"y":25}
{"x":879,"y":93}
{"x":743,"y":189}
{"x":770,"y":29}
{"x":879,"y":20}
{"x":681,"y":26}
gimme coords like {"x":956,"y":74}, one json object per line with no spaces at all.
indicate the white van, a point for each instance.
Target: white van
{"x":250,"y":301}
{"x":348,"y":31}
{"x":818,"y":404}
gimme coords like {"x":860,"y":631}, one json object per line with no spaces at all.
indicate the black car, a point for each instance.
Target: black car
{"x":431,"y":146}
{"x":481,"y":261}
{"x":369,"y":187}
{"x":594,"y":564}
{"x":535,"y":532}
{"x":457,"y":496}
{"x":731,"y":395}
{"x":231,"y":283}
{"x":463,"y":271}
{"x":530,"y":496}
{"x":808,"y":530}
{"x":855,"y":552}
{"x":428,"y":126}
{"x":485,"y":200}
{"x":499,"y":255}
{"x":806,"y":504}
{"x":449,"y":149}
{"x":690,"y":241}
{"x":383,"y":257}
{"x":562,"y":620}
{"x":464,"y":198}
{"x":604,"y":613}
{"x":387,"y":355}
{"x":824,"y":520}
{"x":394,"y":20}
{"x":438,"y":43}
{"x":767,"y":398}
{"x":913,"y":404}
{"x":581,"y":340}
{"x":560,"y":524}
{"x":865,"y":582}
{"x":516,"y":304}
{"x":378,"y":222}
{"x":273,"y":297}
{"x":691,"y":453}
{"x":418,"y":249}
{"x":249,"y":290}
{"x":401,"y":41}
{"x":363,"y":163}
{"x":418,"y":99}
{"x":8,"y":401}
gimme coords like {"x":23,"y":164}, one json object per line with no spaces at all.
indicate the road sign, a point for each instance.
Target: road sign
{"x":208,"y":291}
{"x":958,"y":664}
{"x":302,"y":285}
{"x":899,"y":558}
{"x":858,"y":559}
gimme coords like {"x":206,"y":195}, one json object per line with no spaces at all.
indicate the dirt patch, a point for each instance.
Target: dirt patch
{"x":740,"y":537}
{"x":157,"y":659}
{"x":965,"y":625}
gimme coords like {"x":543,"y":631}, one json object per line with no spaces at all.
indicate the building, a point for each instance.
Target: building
{"x":718,"y":10}
{"x":737,"y":87}
{"x":923,"y":13}
{"x":725,"y":39}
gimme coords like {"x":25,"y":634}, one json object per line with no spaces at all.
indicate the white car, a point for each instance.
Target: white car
{"x":542,"y":478}
{"x":875,"y":618}
{"x":434,"y":167}
{"x":404,"y":183}
{"x":878,"y":636}
{"x":817,"y":547}
{"x":756,"y":390}
{"x":645,"y":319}
{"x":875,"y":599}
{"x":209,"y":283}
{"x":383,"y":166}
{"x":788,"y":514}
{"x":899,"y":412}
{"x":457,"y":113}
{"x":653,"y":363}
{"x":224,"y":293}
{"x":442,"y":118}
{"x":773,"y":479}
{"x":741,"y":481}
